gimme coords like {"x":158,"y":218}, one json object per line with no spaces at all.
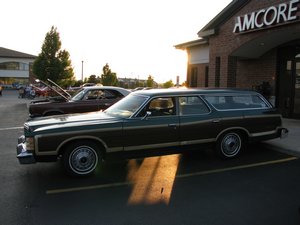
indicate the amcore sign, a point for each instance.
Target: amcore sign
{"x":274,"y":15}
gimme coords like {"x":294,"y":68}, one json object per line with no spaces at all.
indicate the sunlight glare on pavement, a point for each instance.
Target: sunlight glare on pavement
{"x":152,"y":180}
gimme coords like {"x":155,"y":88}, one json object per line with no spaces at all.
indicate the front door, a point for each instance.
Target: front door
{"x":296,"y":87}
{"x":158,"y":130}
{"x":289,"y":85}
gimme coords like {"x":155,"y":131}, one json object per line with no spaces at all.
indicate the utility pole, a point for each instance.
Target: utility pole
{"x":82,"y":71}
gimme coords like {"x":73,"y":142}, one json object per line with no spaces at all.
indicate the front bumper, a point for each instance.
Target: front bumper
{"x":284,"y":133}
{"x":23,"y":155}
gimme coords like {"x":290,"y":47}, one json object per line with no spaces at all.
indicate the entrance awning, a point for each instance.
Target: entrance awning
{"x":271,"y":39}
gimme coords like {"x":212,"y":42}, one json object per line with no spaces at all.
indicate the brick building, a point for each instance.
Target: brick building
{"x":252,"y":44}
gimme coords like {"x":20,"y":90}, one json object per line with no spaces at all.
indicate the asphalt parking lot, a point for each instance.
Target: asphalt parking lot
{"x":260,"y":187}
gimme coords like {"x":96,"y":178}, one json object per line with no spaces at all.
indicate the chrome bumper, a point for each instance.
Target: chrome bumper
{"x":284,"y":133}
{"x":23,"y":155}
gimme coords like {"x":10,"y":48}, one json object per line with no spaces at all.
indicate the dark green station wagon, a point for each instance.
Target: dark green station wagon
{"x":159,"y":120}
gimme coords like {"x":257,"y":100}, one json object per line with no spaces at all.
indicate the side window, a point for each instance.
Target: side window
{"x":160,"y":107}
{"x":94,"y":94}
{"x":245,"y":101}
{"x":112,"y":94}
{"x":192,"y":105}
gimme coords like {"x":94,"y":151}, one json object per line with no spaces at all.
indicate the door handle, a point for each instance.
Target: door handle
{"x":216,"y":121}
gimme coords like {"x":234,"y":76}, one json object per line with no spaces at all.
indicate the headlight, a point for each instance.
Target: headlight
{"x":29,"y":143}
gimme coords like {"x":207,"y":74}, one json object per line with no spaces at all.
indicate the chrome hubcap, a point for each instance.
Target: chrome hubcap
{"x":231,"y":144}
{"x":83,"y":160}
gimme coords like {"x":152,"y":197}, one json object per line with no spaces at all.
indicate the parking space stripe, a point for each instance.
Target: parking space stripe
{"x":11,"y":128}
{"x":101,"y":186}
{"x":237,"y":167}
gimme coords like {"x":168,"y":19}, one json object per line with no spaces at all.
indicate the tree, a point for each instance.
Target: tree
{"x":52,"y":62}
{"x":108,"y":78}
{"x":168,"y":84}
{"x":150,"y":81}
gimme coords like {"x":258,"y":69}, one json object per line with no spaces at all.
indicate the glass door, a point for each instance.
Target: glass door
{"x":296,"y":78}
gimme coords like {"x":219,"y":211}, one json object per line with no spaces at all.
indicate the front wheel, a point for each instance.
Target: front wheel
{"x":230,"y":144}
{"x":81,"y":158}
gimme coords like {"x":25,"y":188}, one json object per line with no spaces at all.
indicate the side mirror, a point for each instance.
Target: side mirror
{"x":148,"y":113}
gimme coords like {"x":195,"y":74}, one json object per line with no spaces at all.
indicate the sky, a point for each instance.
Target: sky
{"x":135,"y":37}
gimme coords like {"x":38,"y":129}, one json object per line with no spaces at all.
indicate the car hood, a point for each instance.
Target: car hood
{"x":69,"y":122}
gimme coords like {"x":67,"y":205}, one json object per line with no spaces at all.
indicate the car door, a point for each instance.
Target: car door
{"x":198,"y":123}
{"x":155,"y":127}
{"x":87,"y":103}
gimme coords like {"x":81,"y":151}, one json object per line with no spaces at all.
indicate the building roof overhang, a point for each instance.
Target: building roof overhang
{"x":8,"y":53}
{"x":212,"y":27}
{"x":198,"y":42}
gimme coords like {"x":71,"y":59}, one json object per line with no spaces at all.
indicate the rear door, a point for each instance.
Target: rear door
{"x":198,"y":123}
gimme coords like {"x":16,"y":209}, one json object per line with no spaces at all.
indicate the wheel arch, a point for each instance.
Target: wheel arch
{"x":241,"y":130}
{"x":100,"y":143}
{"x":53,"y":112}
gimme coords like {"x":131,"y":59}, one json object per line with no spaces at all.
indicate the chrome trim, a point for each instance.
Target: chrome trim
{"x":114,"y":149}
{"x":284,"y":133}
{"x":147,"y":126}
{"x":23,"y":155}
{"x":202,"y":141}
{"x":161,"y":145}
{"x":263,"y":133}
{"x":21,"y":139}
{"x":261,"y":116}
{"x":55,"y":152}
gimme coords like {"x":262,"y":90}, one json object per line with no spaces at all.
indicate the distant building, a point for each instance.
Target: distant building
{"x":133,"y":83}
{"x":15,"y":67}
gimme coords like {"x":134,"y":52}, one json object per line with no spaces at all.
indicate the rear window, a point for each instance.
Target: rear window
{"x":236,"y":102}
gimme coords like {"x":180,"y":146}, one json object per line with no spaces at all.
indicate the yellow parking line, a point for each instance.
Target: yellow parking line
{"x":100,"y":186}
{"x":92,"y":187}
{"x":237,"y":167}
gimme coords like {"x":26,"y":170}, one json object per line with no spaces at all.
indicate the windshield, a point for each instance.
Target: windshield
{"x":78,"y":96}
{"x":127,"y":106}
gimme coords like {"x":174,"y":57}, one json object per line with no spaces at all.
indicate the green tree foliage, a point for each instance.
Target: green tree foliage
{"x":108,"y":78}
{"x":93,"y":79}
{"x":52,"y":62}
{"x":150,"y":81}
{"x":168,"y":84}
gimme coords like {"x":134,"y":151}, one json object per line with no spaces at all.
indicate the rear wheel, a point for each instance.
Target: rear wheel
{"x":230,"y":144}
{"x":81,"y":158}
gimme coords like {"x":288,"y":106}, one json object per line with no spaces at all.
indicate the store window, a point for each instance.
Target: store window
{"x":206,"y":76}
{"x":194,"y":77}
{"x":218,"y":72}
{"x":14,"y":66}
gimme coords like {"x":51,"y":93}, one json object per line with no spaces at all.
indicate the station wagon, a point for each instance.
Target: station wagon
{"x":157,"y":119}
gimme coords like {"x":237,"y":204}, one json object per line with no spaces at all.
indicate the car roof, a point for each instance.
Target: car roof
{"x":180,"y":91}
{"x":123,"y":91}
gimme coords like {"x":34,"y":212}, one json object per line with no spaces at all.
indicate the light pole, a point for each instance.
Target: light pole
{"x":82,"y":71}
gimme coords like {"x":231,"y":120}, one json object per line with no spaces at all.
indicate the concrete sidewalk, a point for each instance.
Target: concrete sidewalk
{"x":291,"y":144}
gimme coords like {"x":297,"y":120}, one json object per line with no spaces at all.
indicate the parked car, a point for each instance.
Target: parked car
{"x":42,"y":91}
{"x":91,"y":98}
{"x":158,"y":119}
